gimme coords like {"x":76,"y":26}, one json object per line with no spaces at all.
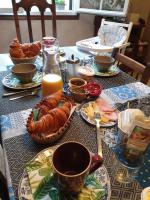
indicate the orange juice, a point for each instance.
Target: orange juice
{"x":51,"y":83}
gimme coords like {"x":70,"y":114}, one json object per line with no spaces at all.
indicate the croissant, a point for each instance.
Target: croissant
{"x":18,"y":50}
{"x":53,"y":112}
{"x":17,"y":53}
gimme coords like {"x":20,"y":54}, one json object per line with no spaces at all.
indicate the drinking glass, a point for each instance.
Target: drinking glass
{"x":125,"y":171}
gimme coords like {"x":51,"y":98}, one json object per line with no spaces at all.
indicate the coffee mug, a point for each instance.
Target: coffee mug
{"x":72,"y":162}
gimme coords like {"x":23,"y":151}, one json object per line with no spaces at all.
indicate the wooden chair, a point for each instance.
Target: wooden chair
{"x":140,"y":69}
{"x":42,"y":6}
{"x":138,"y":48}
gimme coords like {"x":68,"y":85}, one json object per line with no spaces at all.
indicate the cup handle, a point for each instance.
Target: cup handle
{"x":97,"y":161}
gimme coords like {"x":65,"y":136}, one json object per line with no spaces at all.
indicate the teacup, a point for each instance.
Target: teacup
{"x":72,"y":162}
{"x":79,"y":94}
{"x":77,"y":83}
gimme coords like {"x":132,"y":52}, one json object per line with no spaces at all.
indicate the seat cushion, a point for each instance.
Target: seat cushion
{"x":111,"y":35}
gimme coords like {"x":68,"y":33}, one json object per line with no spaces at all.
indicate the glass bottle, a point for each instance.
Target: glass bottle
{"x":51,"y":81}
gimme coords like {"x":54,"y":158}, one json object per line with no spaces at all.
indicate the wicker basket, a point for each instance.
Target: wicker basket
{"x":48,"y":137}
{"x":30,"y":60}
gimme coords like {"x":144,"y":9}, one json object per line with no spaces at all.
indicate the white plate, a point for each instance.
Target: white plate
{"x":86,"y":70}
{"x":91,"y":120}
{"x":12,"y":82}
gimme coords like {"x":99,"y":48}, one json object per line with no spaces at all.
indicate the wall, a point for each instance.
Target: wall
{"x":140,"y":7}
{"x":69,"y":31}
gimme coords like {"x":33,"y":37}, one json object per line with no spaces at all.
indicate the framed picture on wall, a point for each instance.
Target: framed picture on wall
{"x":104,"y":7}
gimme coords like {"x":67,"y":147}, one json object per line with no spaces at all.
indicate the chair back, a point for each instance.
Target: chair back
{"x":117,"y":32}
{"x":42,"y":5}
{"x":138,"y":68}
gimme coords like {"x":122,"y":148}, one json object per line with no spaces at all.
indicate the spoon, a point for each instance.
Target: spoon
{"x":33,"y":93}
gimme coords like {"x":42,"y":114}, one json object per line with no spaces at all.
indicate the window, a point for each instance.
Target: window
{"x":101,"y":7}
{"x":104,"y":7}
{"x":62,"y":7}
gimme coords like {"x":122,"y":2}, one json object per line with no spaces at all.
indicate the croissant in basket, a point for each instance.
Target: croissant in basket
{"x":49,"y":115}
{"x":26,"y":50}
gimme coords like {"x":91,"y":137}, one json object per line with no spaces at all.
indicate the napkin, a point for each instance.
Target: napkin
{"x":126,"y":119}
{"x":43,"y":181}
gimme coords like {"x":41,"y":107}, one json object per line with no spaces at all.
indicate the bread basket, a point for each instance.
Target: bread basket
{"x":30,"y":60}
{"x":49,"y":137}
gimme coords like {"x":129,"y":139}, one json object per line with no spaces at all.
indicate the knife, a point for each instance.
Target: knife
{"x":33,"y":93}
{"x":18,"y":92}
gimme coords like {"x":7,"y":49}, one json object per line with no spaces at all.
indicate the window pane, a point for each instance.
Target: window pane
{"x":90,"y":4}
{"x":63,"y":5}
{"x":114,"y":5}
{"x":5,"y":4}
{"x":104,"y":7}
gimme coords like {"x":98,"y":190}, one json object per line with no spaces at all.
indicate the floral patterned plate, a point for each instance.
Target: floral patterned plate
{"x":114,"y":70}
{"x":39,"y":182}
{"x":12,"y":82}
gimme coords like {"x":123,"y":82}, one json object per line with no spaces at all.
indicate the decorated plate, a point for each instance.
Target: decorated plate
{"x":39,"y":182}
{"x":89,"y":115}
{"x":12,"y":82}
{"x":114,"y":70}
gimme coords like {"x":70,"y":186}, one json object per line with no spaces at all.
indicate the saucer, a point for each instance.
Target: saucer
{"x":10,"y":81}
{"x":113,"y":70}
{"x":86,"y":70}
{"x":38,"y":181}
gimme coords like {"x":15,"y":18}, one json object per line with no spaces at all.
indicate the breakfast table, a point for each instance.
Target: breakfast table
{"x":19,"y":148}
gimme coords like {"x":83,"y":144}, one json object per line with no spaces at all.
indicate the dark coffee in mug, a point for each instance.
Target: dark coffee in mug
{"x":72,"y":162}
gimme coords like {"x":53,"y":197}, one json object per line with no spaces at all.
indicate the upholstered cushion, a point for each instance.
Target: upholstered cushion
{"x":111,"y":35}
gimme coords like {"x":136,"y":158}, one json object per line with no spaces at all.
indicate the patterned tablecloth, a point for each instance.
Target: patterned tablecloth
{"x":20,"y":149}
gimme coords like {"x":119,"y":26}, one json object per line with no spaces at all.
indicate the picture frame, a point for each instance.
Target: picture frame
{"x":104,"y":7}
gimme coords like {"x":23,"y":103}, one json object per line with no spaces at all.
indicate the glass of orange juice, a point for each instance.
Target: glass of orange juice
{"x":51,"y":83}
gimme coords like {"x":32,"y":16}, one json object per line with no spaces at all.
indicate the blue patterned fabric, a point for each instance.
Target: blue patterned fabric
{"x":144,"y":173}
{"x":5,"y":123}
{"x":124,"y":92}
{"x":127,"y":92}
